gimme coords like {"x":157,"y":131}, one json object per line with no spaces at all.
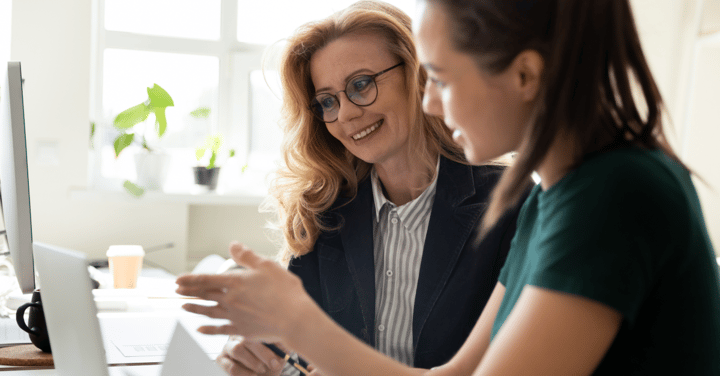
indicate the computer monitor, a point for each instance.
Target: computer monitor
{"x":14,"y":188}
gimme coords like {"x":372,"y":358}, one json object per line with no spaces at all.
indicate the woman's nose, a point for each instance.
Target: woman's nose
{"x":348,"y":110}
{"x":432,"y":105}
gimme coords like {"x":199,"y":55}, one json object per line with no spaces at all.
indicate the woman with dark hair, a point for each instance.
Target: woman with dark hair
{"x":611,"y":270}
{"x":378,"y":208}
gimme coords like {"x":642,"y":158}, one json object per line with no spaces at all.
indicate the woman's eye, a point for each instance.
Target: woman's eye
{"x":361,"y":84}
{"x":327,"y":102}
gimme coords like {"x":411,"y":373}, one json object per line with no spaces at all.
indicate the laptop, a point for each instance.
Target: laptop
{"x":71,"y":316}
{"x":74,"y":328}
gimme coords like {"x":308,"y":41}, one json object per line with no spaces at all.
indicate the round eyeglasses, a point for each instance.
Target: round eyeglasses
{"x":360,"y":90}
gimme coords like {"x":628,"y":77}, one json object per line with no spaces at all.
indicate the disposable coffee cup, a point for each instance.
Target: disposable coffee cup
{"x":125,"y":264}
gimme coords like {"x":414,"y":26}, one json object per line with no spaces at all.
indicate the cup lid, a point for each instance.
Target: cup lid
{"x":125,"y":250}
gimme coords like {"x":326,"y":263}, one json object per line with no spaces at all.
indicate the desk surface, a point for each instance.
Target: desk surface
{"x":139,"y":370}
{"x":156,"y":314}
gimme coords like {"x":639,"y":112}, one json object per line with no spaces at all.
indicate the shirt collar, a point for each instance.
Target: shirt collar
{"x":425,"y":199}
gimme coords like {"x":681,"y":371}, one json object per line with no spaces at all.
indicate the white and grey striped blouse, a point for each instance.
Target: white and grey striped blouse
{"x":398,"y":238}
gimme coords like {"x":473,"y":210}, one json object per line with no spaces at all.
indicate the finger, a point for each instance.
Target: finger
{"x":232,"y":367}
{"x":243,"y":256}
{"x":211,"y":295}
{"x":247,"y":358}
{"x":227,"y":329}
{"x":215,"y":312}
{"x":208,"y":281}
{"x":262,"y":352}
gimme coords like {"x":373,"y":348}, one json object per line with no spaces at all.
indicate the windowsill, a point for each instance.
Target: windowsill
{"x":192,"y":197}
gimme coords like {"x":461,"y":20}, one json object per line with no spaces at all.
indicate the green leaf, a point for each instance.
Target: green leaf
{"x":199,"y":152}
{"x":160,"y":121}
{"x":244,"y":168}
{"x":133,"y":188}
{"x":122,"y":141}
{"x":201,"y":113}
{"x":132,"y":116}
{"x":92,"y":134}
{"x":216,"y":142}
{"x":213,"y":157}
{"x":232,"y":153}
{"x":159,"y":98}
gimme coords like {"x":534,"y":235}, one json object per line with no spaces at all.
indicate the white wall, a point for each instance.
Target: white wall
{"x":668,"y":31}
{"x":5,"y":23}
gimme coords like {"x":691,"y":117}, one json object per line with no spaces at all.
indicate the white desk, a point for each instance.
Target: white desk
{"x":125,"y":370}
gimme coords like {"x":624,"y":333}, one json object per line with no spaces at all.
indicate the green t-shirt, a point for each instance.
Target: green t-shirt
{"x":625,"y":229}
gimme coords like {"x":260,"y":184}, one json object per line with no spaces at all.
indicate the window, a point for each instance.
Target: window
{"x":205,"y":54}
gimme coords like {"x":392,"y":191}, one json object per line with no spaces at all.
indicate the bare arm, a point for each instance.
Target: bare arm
{"x":551,"y":333}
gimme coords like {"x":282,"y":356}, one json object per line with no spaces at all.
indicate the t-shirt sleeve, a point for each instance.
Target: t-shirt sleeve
{"x":606,"y":236}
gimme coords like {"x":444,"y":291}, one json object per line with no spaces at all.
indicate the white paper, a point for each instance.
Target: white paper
{"x":11,"y":334}
{"x":144,"y":337}
{"x":185,"y":357}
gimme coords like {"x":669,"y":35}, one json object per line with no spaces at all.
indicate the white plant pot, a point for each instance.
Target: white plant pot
{"x":151,"y":169}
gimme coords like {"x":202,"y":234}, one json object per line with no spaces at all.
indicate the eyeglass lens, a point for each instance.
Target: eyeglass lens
{"x":360,"y":90}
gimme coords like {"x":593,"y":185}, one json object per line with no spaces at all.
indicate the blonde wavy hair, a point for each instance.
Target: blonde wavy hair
{"x":317,"y":167}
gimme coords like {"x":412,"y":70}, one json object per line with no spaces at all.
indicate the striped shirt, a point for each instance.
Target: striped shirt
{"x":398,"y":238}
{"x":398,"y":242}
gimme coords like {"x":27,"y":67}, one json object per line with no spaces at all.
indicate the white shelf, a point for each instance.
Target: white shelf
{"x":240,"y":198}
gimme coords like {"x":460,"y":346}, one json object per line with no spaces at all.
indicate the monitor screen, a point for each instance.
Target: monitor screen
{"x":14,"y":187}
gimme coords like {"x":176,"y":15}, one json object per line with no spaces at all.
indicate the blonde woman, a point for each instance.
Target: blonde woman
{"x":378,"y":207}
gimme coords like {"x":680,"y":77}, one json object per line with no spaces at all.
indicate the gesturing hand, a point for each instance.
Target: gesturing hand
{"x":262,"y":301}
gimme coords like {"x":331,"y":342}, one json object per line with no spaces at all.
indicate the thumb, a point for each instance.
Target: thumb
{"x":243,"y":256}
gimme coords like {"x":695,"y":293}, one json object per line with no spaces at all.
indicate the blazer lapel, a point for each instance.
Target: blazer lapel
{"x":357,"y":241}
{"x":450,"y":225}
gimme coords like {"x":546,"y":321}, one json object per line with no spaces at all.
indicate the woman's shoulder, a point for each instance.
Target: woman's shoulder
{"x":634,"y":167}
{"x":625,"y":178}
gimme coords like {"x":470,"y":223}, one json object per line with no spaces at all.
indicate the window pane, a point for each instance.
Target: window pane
{"x":260,"y":22}
{"x":191,"y":81}
{"x":265,"y":133}
{"x":172,"y":18}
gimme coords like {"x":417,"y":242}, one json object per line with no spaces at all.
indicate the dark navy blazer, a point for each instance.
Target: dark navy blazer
{"x":457,"y":273}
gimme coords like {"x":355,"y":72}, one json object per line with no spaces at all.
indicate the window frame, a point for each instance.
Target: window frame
{"x":233,"y":117}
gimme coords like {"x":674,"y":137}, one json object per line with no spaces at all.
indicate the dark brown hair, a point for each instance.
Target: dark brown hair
{"x":595,"y":73}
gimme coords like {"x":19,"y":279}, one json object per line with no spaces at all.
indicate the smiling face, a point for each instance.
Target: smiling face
{"x":376,"y":133}
{"x":487,"y":112}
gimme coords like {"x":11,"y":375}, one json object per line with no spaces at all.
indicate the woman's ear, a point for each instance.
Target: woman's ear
{"x":528,"y":68}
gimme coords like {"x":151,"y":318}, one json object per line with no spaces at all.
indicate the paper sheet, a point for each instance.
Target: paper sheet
{"x":185,"y":357}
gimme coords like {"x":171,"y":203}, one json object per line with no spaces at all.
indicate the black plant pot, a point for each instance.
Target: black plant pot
{"x":207,"y":177}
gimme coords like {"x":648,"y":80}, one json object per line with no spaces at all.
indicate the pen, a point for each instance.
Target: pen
{"x":287,"y":358}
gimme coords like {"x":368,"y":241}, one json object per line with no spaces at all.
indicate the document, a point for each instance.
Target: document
{"x":144,"y":337}
{"x":185,"y":357}
{"x":11,"y":334}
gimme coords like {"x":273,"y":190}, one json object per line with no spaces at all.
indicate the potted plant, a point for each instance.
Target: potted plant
{"x":152,"y":164}
{"x":207,"y":172}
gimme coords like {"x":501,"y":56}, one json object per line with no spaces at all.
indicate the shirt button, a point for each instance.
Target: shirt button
{"x":381,"y":327}
{"x":394,"y":220}
{"x":389,"y":273}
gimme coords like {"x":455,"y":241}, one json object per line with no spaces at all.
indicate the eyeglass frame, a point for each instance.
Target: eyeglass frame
{"x":371,"y":76}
